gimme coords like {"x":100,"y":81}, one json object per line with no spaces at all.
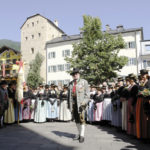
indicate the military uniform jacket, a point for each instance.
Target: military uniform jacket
{"x":82,"y":93}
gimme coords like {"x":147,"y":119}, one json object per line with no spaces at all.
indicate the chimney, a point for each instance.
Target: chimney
{"x":56,"y":22}
{"x":107,"y":27}
{"x":120,"y":28}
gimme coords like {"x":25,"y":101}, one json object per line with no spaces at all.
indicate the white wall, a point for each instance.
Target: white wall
{"x":58,"y":48}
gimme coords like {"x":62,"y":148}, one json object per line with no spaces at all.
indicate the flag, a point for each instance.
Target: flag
{"x":20,"y":82}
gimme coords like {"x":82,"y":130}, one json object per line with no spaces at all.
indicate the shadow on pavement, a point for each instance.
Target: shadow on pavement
{"x":119,"y":136}
{"x":16,"y":137}
{"x":63,"y":134}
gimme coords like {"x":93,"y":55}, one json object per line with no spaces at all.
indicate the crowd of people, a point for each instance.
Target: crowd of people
{"x":45,"y":103}
{"x":124,"y":104}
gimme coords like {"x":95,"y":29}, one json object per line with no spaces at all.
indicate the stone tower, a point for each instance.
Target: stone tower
{"x":35,"y":32}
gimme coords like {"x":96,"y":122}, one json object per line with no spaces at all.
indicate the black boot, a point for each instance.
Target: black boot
{"x":81,"y":140}
{"x":77,"y":137}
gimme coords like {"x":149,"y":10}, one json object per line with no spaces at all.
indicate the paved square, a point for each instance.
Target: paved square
{"x":58,"y":136}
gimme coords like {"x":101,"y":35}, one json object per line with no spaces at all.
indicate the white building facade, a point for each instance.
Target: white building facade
{"x":35,"y":32}
{"x":132,"y":38}
{"x":56,"y":65}
{"x":145,"y":54}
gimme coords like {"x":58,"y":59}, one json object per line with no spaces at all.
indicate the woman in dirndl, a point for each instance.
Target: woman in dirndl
{"x":10,"y":113}
{"x":40,"y":106}
{"x":143,"y":107}
{"x":28,"y":95}
{"x":52,"y":104}
{"x":98,"y":104}
{"x":64,"y":113}
{"x":133,"y":92}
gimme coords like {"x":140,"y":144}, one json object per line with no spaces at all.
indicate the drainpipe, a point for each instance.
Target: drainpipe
{"x":136,"y":52}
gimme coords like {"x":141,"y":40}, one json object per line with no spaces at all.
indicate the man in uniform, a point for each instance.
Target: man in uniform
{"x":79,"y":96}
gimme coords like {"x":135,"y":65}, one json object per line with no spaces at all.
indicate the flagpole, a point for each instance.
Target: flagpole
{"x":18,"y":112}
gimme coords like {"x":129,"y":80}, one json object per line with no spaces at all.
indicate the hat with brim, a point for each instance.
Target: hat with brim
{"x":3,"y":82}
{"x":46,"y":86}
{"x":143,"y":71}
{"x":127,"y":78}
{"x":132,"y":77}
{"x":120,"y":79}
{"x":65,"y":86}
{"x":74,"y":71}
{"x":52,"y":85}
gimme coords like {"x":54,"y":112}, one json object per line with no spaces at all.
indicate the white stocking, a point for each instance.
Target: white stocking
{"x":82,"y":131}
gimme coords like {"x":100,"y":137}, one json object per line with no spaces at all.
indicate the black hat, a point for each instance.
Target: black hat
{"x":110,"y":86}
{"x":143,"y":71}
{"x":74,"y":71}
{"x":99,"y":89}
{"x":104,"y":87}
{"x":65,"y":86}
{"x":12,"y":83}
{"x":41,"y":85}
{"x":127,"y":78}
{"x":53,"y":85}
{"x":46,"y":86}
{"x":120,"y":79}
{"x":132,"y":77}
{"x":3,"y":82}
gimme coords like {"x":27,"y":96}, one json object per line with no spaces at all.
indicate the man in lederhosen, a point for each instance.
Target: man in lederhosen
{"x":79,"y":96}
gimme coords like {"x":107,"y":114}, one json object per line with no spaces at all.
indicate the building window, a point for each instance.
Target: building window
{"x":27,"y":25}
{"x":66,"y":53}
{"x":147,"y":47}
{"x":7,"y":61}
{"x":60,"y":82}
{"x":32,"y":50}
{"x":7,"y":71}
{"x":60,"y":68}
{"x":130,"y":44}
{"x":14,"y":71}
{"x":39,"y":34}
{"x":37,"y":22}
{"x":66,"y":81}
{"x":146,"y":63}
{"x":67,"y":67}
{"x":53,"y":69}
{"x":49,"y":68}
{"x":53,"y":82}
{"x":51,"y":55}
{"x":14,"y":61}
{"x":7,"y":55}
{"x":26,"y":38}
{"x":131,"y":61}
{"x":32,"y":36}
{"x":32,"y":24}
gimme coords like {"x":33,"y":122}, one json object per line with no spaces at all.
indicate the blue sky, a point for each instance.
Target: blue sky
{"x":130,"y":13}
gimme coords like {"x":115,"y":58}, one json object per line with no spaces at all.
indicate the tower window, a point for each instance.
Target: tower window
{"x":39,"y":34}
{"x":32,"y":24}
{"x":32,"y":50}
{"x":32,"y":36}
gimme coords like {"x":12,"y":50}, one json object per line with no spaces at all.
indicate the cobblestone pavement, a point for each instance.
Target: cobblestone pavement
{"x":59,"y":136}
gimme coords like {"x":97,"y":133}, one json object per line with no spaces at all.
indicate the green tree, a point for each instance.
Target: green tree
{"x":34,"y":78}
{"x":97,"y":52}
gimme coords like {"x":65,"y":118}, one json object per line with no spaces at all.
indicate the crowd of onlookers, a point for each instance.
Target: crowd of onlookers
{"x":124,"y":104}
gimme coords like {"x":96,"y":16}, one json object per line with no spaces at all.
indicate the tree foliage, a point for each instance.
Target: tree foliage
{"x":97,"y":52}
{"x":34,"y":78}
